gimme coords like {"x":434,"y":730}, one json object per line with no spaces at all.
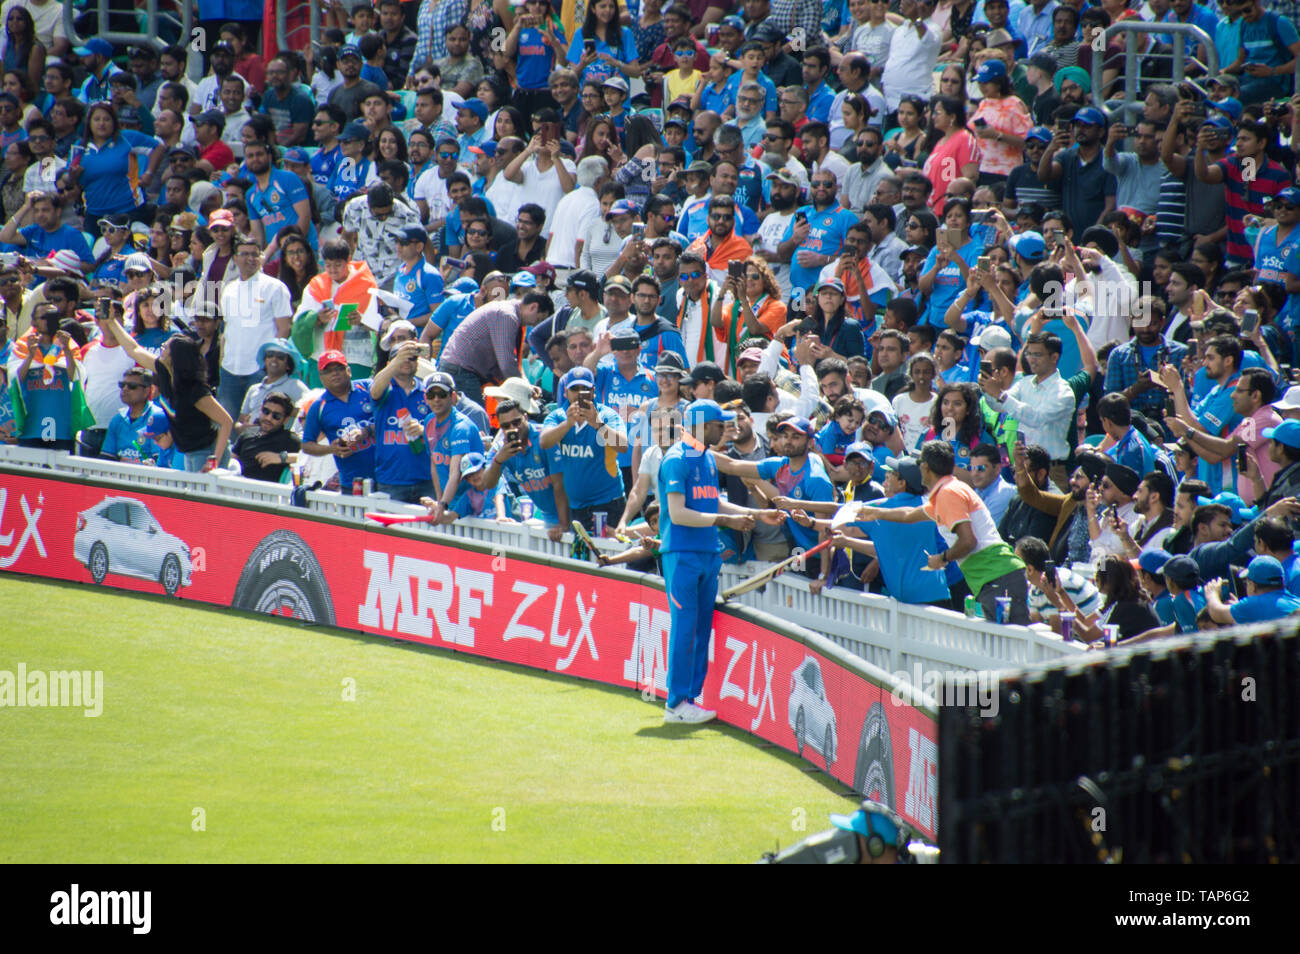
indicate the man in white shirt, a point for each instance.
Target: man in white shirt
{"x":1041,"y":401}
{"x":913,"y":53}
{"x":431,"y":188}
{"x":256,"y":308}
{"x":103,"y":362}
{"x":574,"y":212}
{"x":1106,"y":295}
{"x":784,"y":191}
{"x":1114,"y":499}
{"x":695,"y":298}
{"x":233,"y":91}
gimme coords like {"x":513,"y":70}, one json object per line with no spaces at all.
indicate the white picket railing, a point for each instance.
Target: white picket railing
{"x":899,"y":638}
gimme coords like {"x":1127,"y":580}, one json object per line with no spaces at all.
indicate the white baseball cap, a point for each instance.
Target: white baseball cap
{"x":1290,"y":401}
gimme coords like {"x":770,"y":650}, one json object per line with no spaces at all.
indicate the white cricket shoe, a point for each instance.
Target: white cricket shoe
{"x":688,"y":712}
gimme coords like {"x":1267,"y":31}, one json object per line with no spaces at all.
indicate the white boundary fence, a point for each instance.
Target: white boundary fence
{"x":896,"y":637}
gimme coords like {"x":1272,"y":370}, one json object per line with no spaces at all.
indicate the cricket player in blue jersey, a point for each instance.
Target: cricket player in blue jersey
{"x":692,"y":552}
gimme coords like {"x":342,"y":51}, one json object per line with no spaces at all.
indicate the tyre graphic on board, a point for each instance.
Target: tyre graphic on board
{"x":283,"y":578}
{"x":873,"y":775}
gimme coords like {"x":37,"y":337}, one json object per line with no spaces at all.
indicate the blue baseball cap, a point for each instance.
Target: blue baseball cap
{"x":1039,"y":134}
{"x":622,"y":207}
{"x":860,"y":449}
{"x":1221,"y":123}
{"x":1288,"y":433}
{"x":95,"y":45}
{"x":732,"y":21}
{"x":1029,"y":245}
{"x":990,"y":70}
{"x":1289,"y":195}
{"x":413,"y":233}
{"x":440,"y":379}
{"x":1090,"y":116}
{"x":355,"y":130}
{"x":296,"y":154}
{"x":703,"y":411}
{"x":475,"y":106}
{"x":1240,"y":512}
{"x":1153,"y":561}
{"x":472,"y":463}
{"x":523,"y":280}
{"x":1230,"y":107}
{"x":350,"y":49}
{"x":577,"y":378}
{"x":866,"y":824}
{"x":1266,"y":571}
{"x":488,"y":147}
{"x":800,"y":424}
{"x":1183,"y":571}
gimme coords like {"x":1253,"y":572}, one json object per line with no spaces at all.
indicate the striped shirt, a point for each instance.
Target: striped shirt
{"x":1171,"y":210}
{"x":1245,"y":195}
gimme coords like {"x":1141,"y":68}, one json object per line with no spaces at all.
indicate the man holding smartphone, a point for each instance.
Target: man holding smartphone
{"x":584,"y":440}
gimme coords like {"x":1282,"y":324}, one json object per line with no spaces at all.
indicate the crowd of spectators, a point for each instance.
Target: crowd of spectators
{"x":482,"y":255}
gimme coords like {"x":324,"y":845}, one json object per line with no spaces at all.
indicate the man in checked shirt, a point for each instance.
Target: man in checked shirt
{"x":485,"y":349}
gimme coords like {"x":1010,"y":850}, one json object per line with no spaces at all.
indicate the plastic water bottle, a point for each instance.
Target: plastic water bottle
{"x":417,"y":445}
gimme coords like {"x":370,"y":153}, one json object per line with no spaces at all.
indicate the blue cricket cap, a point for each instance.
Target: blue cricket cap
{"x":703,"y":411}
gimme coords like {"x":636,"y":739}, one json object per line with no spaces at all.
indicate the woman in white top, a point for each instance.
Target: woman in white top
{"x":602,"y":239}
{"x":912,"y":407}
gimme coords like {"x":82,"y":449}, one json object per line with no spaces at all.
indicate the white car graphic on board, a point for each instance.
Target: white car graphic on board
{"x":811,"y":717}
{"x":120,"y":535}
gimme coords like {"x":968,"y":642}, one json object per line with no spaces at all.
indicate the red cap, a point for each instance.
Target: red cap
{"x":331,"y":357}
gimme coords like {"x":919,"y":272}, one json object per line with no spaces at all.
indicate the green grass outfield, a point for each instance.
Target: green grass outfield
{"x":244,"y":718}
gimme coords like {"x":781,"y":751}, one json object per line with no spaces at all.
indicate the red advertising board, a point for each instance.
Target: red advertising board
{"x":444,"y":592}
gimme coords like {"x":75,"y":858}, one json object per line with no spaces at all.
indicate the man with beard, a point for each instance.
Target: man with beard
{"x":695,"y":215}
{"x":1128,"y":366}
{"x":706,"y":125}
{"x":784,"y":192}
{"x":815,"y":138}
{"x":1153,"y":502}
{"x":1111,"y":516}
{"x":276,"y":199}
{"x":208,"y":94}
{"x":665,"y":254}
{"x":349,"y":95}
{"x":816,"y":235}
{"x":1022,"y":520}
{"x":1069,"y":541}
{"x":720,"y":245}
{"x":656,"y":334}
{"x":1087,"y":189}
{"x":795,"y":474}
{"x":859,"y":184}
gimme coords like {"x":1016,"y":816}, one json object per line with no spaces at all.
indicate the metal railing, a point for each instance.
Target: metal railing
{"x":898,"y":638}
{"x":151,"y":36}
{"x":1134,"y":81}
{"x":284,"y":33}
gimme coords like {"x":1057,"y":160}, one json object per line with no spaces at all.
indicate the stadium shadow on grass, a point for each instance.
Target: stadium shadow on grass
{"x":239,"y":717}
